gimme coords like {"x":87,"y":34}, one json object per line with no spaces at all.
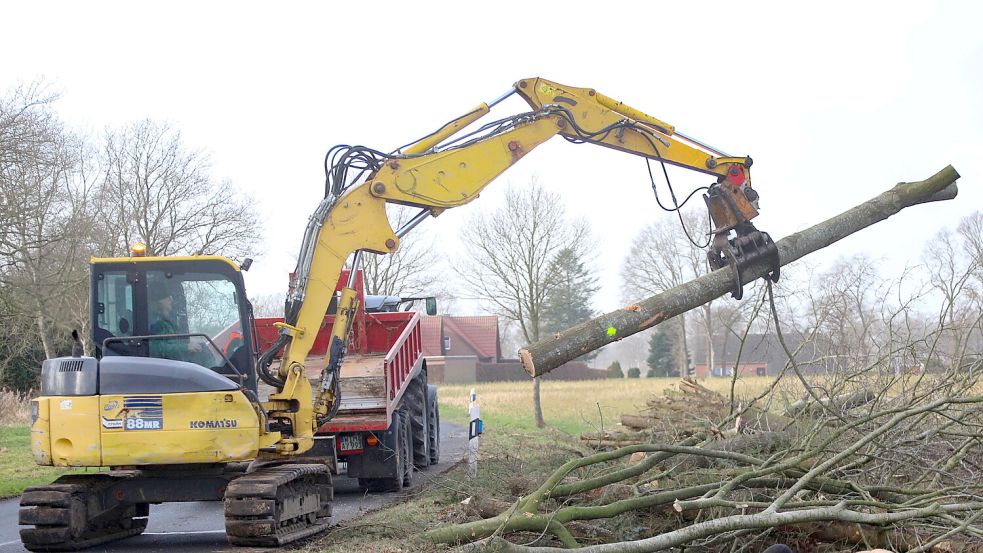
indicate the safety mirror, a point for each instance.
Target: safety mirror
{"x":431,"y":306}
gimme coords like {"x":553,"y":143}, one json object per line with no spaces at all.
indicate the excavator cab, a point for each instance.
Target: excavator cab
{"x":182,"y":309}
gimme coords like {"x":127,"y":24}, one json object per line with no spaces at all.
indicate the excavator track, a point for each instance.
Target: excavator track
{"x":65,"y":515}
{"x":276,"y":505}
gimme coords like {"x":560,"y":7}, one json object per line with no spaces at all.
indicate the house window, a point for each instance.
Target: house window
{"x":447,"y":344}
{"x":761,"y":371}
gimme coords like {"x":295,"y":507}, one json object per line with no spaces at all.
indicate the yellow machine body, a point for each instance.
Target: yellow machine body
{"x":145,"y":429}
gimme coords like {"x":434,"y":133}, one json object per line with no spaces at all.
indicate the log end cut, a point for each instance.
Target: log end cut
{"x":527,"y":363}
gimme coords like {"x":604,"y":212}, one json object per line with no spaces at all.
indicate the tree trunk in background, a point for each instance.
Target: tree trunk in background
{"x":683,"y":347}
{"x":708,"y":327}
{"x":545,"y":355}
{"x":537,"y":406}
{"x":512,"y":259}
{"x":43,"y":335}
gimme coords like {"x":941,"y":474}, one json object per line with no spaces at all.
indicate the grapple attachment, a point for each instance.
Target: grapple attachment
{"x":732,"y":204}
{"x":747,"y":248}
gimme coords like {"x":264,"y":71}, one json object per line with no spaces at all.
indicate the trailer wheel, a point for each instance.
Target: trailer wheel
{"x":407,"y":450}
{"x":400,"y":424}
{"x":433,"y":424}
{"x":416,"y":406}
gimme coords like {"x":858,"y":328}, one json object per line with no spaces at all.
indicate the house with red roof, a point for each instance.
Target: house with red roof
{"x":462,"y":349}
{"x":446,"y":335}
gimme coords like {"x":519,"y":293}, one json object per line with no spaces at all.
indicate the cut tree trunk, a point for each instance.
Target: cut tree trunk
{"x":614,"y":439}
{"x":602,"y":443}
{"x":635,"y":421}
{"x":609,"y":435}
{"x":546,"y":355}
{"x":841,"y":403}
{"x":873,"y":536}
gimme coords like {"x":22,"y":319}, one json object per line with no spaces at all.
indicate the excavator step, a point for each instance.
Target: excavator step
{"x":277,"y":505}
{"x":61,"y":519}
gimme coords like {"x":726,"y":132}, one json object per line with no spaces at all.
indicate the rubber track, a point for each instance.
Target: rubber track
{"x":57,"y":514}
{"x":254,"y":503}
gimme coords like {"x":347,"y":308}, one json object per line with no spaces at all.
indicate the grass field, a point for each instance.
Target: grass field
{"x":17,"y":467}
{"x":570,"y":406}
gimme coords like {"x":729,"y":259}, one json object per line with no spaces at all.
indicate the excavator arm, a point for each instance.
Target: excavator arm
{"x":604,"y":121}
{"x":437,"y":173}
{"x":731,"y":201}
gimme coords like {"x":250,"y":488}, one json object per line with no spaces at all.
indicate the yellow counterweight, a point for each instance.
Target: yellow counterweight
{"x":145,"y":429}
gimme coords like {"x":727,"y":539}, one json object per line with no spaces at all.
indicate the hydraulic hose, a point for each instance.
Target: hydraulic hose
{"x":335,"y":405}
{"x":266,"y":359}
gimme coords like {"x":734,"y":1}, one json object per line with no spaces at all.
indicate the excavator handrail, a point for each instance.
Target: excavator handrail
{"x":150,"y":337}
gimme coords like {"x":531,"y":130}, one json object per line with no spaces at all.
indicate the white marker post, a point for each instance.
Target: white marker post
{"x":474,"y":433}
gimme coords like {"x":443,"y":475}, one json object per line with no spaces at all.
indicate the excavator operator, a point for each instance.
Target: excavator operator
{"x":162,"y":307}
{"x":162,"y":315}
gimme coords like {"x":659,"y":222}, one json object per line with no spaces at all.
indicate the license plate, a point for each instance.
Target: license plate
{"x":351,"y":443}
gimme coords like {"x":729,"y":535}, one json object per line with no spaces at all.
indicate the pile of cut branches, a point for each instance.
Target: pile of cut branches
{"x":895,"y":465}
{"x":680,"y":412}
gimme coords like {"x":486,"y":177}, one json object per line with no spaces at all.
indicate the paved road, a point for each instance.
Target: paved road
{"x":199,"y":526}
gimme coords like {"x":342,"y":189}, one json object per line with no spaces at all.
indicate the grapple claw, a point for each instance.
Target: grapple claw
{"x":750,"y":246}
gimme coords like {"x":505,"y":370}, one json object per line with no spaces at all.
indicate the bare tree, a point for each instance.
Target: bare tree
{"x":510,"y":259}
{"x":60,"y":203}
{"x":662,"y":256}
{"x":157,"y":191}
{"x":970,"y":232}
{"x":43,"y":203}
{"x":268,"y":305}
{"x":33,"y":162}
{"x":954,"y":261}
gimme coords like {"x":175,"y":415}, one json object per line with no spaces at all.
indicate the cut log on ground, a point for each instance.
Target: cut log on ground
{"x":614,"y":439}
{"x":608,"y":435}
{"x":546,"y":355}
{"x":841,"y":403}
{"x":610,"y":444}
{"x":636,"y":421}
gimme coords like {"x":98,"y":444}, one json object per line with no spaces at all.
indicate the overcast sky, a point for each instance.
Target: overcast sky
{"x":835,"y":101}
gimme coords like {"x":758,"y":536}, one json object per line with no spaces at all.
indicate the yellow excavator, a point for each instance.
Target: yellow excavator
{"x":176,"y":416}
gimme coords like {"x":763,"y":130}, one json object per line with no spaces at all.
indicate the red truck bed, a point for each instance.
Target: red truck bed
{"x":385,"y":351}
